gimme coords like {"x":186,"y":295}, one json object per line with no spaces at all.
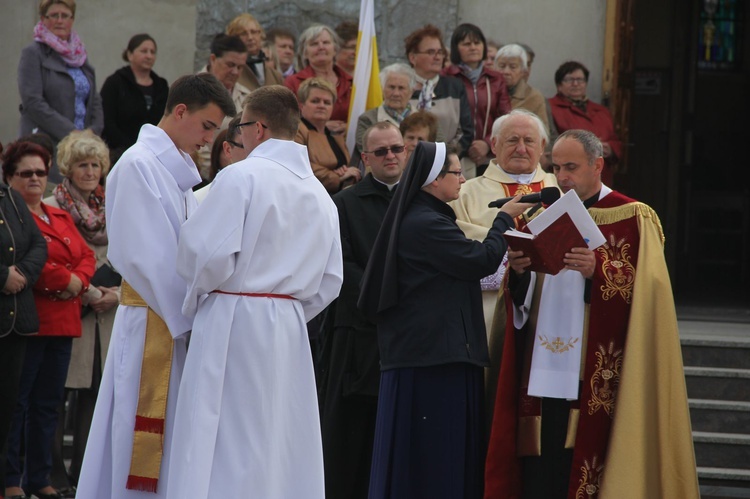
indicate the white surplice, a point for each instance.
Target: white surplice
{"x":247,"y":416}
{"x":148,"y":198}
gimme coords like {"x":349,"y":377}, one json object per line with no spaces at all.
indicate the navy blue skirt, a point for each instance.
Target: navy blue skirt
{"x":429,"y":434}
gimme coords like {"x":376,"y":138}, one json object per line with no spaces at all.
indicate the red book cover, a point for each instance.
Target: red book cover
{"x":547,"y":249}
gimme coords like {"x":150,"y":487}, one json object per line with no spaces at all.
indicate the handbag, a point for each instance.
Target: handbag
{"x":106,"y":276}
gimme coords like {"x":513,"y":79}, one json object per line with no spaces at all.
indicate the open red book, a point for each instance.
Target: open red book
{"x":547,"y":248}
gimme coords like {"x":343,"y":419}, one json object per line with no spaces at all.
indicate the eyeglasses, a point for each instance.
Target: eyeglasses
{"x":570,"y":80}
{"x":247,"y":123}
{"x":457,"y":173}
{"x":59,"y":16}
{"x":31,"y":173}
{"x":234,"y":144}
{"x":432,"y":52}
{"x":383,"y":151}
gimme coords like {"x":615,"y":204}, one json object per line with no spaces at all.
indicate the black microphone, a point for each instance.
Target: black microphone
{"x":548,"y":195}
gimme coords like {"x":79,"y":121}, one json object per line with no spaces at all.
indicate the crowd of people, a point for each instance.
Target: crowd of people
{"x":315,"y":321}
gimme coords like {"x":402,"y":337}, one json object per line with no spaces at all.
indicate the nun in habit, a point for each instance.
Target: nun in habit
{"x":421,"y":286}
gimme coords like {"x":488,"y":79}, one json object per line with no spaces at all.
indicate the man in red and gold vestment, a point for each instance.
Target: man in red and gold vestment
{"x":623,"y":428}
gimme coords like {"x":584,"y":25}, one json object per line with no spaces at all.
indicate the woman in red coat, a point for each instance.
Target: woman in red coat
{"x":65,"y":276}
{"x":571,"y":109}
{"x":316,"y":57}
{"x":485,"y":88}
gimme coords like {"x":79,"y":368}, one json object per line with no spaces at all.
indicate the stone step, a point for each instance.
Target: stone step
{"x":724,"y":483}
{"x":720,"y":416}
{"x":722,"y":450}
{"x":718,"y":383}
{"x":716,"y":351}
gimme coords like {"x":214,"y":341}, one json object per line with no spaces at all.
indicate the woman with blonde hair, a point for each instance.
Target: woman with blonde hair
{"x":83,"y":159}
{"x":258,"y":71}
{"x":329,"y":156}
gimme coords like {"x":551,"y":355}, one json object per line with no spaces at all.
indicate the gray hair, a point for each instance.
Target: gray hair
{"x":513,"y":50}
{"x":499,"y":123}
{"x":592,"y":146}
{"x":399,"y":68}
{"x":311,"y":34}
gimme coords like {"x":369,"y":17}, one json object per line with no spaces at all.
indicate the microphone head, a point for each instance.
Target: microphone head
{"x":549,"y":195}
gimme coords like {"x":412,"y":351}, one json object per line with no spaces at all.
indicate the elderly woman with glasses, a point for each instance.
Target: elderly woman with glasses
{"x":571,"y":109}
{"x":329,"y":156}
{"x":258,"y":70}
{"x":56,"y":82}
{"x":57,"y":295}
{"x":443,"y":96}
{"x":84,"y":161}
{"x":398,"y":81}
{"x":316,"y":54}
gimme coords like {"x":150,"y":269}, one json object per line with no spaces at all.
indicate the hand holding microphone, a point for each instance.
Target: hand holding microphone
{"x":548,"y":195}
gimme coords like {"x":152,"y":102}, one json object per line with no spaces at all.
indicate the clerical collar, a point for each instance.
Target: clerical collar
{"x":522,"y":178}
{"x":588,"y":203}
{"x":389,"y":186}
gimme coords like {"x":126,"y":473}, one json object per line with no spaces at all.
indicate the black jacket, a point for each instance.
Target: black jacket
{"x":438,"y":318}
{"x":361,"y":210}
{"x":125,"y":108}
{"x":22,"y":245}
{"x":354,"y":359}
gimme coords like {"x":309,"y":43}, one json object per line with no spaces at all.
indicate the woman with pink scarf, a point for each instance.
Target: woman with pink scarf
{"x":55,"y":80}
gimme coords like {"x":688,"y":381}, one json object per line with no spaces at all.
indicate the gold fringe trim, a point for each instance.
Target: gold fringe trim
{"x":607,"y":216}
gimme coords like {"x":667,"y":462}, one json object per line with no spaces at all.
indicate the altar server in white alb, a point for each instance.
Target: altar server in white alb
{"x":262,"y":256}
{"x":149,"y":196}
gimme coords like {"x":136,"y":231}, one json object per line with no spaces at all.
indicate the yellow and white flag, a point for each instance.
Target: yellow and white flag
{"x":366,"y":91}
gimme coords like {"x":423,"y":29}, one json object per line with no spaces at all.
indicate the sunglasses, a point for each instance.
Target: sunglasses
{"x":31,"y":173}
{"x":383,"y":151}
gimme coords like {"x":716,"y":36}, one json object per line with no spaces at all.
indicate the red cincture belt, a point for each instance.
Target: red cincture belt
{"x":261,"y":295}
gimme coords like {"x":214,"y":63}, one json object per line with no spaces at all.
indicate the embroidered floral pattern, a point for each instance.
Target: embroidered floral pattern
{"x":605,"y":380}
{"x":523,"y":189}
{"x":591,"y":475}
{"x":557,"y":344}
{"x":619,"y":273}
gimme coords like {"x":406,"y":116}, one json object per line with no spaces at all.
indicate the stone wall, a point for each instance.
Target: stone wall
{"x":183,"y":30}
{"x":394,"y":19}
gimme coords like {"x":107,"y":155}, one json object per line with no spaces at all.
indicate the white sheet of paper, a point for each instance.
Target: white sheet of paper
{"x":572,"y":205}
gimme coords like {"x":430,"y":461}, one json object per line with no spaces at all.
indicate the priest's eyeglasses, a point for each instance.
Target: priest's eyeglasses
{"x":383,"y":151}
{"x":248,"y":123}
